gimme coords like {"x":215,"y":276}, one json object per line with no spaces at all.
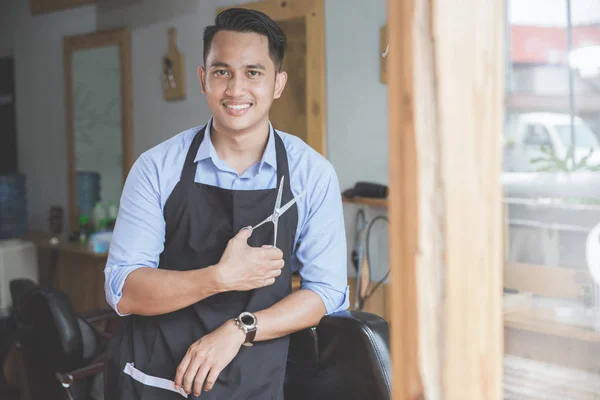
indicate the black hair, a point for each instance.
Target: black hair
{"x":244,"y":20}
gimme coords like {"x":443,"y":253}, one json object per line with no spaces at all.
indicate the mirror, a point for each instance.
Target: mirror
{"x":99,"y":128}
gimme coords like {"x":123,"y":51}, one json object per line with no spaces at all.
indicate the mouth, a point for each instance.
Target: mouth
{"x":237,"y":109}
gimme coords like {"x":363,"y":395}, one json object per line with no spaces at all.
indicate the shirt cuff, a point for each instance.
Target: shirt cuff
{"x":114,"y":280}
{"x":333,"y":299}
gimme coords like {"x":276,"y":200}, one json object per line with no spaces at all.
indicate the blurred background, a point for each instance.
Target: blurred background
{"x":87,"y":86}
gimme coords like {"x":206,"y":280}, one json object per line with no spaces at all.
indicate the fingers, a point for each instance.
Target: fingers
{"x":181,"y":369}
{"x":277,"y":264}
{"x":272,"y":253}
{"x":190,"y":374}
{"x":200,"y":377}
{"x":274,"y":273}
{"x":269,"y":281}
{"x":212,"y":377}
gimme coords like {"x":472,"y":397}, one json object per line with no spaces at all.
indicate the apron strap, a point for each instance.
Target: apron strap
{"x":189,"y":167}
{"x":282,"y":163}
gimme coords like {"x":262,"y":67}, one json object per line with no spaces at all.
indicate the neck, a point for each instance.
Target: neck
{"x":238,"y":149}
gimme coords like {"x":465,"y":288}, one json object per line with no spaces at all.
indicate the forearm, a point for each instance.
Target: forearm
{"x":300,"y":310}
{"x":154,"y":291}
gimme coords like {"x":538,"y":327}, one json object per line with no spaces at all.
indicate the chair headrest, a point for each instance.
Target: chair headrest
{"x":360,"y":339}
{"x":350,"y":359}
{"x":18,"y":288}
{"x":50,"y":325}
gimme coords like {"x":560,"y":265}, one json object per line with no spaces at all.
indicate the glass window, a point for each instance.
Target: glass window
{"x":584,"y":136}
{"x":537,"y":135}
{"x":552,"y":200}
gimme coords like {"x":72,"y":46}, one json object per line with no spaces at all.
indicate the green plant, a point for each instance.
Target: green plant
{"x":551,"y":162}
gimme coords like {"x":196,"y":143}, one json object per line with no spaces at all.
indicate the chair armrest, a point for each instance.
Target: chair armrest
{"x":88,"y":371}
{"x":101,"y":314}
{"x":66,"y":380}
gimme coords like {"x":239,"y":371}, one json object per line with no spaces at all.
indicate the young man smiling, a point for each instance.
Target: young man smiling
{"x":207,"y":304}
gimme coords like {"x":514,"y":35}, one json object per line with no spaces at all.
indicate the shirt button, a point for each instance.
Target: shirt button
{"x":108,"y":269}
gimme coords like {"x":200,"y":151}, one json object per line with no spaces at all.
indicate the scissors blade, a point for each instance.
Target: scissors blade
{"x":275,"y":233}
{"x":290,"y":203}
{"x":268,"y":219}
{"x":279,"y":194}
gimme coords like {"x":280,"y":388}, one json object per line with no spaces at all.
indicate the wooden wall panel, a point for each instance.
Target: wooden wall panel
{"x":445,"y":74}
{"x":469,"y":62}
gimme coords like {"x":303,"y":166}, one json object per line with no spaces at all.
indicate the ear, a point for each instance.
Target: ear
{"x":202,"y":78}
{"x":280,"y":81}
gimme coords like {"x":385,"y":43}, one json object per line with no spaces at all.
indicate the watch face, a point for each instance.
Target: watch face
{"x":248,"y":319}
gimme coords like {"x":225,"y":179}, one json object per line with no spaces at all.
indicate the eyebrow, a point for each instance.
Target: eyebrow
{"x":256,"y":66}
{"x":220,"y":64}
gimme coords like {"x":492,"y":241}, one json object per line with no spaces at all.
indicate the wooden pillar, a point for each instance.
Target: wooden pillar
{"x":445,"y":77}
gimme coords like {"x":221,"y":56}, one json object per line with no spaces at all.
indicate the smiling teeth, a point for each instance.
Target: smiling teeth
{"x":240,"y":107}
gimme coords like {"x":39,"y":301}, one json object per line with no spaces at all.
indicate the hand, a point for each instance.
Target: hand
{"x":206,"y":358}
{"x":243,"y":267}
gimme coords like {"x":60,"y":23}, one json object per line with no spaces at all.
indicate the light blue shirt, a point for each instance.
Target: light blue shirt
{"x":139,"y":234}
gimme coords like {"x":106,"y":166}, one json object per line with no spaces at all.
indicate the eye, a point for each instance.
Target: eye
{"x":254,"y":73}
{"x":221,"y":72}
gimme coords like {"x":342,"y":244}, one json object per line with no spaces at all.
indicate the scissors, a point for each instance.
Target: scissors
{"x":277,"y":212}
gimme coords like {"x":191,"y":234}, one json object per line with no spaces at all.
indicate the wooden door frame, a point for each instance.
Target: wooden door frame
{"x":445,"y":77}
{"x":312,"y":11}
{"x":403,"y":206}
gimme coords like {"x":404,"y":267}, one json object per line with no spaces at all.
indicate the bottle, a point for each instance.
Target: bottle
{"x":112,"y":215}
{"x":83,"y":229}
{"x":99,"y":216}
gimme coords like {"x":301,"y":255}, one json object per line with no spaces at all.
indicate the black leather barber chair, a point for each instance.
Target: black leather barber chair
{"x":62,"y":351}
{"x":345,"y":357}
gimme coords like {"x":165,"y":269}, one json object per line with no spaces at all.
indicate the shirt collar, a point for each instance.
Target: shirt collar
{"x":207,"y":149}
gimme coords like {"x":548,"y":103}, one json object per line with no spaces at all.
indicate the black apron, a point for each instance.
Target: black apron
{"x":200,"y":220}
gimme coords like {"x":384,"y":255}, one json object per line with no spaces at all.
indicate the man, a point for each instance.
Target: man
{"x":208,"y":303}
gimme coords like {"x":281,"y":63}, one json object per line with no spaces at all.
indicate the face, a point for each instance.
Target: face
{"x":240,"y":81}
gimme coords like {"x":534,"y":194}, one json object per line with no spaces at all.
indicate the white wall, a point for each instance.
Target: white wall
{"x":357,"y":109}
{"x":36,"y":43}
{"x":356,"y":100}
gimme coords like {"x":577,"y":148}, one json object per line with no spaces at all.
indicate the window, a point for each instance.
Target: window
{"x":537,"y":135}
{"x":552,"y":200}
{"x":583,"y":136}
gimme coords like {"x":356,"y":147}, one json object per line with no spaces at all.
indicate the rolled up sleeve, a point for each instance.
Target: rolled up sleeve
{"x":321,"y":251}
{"x":138,"y":237}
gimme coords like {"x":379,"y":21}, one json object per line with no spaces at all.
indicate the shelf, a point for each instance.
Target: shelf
{"x":42,"y":240}
{"x":366,"y":201}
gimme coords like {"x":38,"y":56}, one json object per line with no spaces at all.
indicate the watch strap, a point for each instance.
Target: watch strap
{"x":250,"y":335}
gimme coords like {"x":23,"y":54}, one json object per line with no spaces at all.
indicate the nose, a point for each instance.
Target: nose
{"x":236,"y":87}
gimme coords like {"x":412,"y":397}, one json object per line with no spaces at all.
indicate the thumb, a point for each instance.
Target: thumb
{"x":244,"y":233}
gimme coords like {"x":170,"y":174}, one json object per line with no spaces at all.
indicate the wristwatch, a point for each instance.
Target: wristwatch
{"x":247,"y":322}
